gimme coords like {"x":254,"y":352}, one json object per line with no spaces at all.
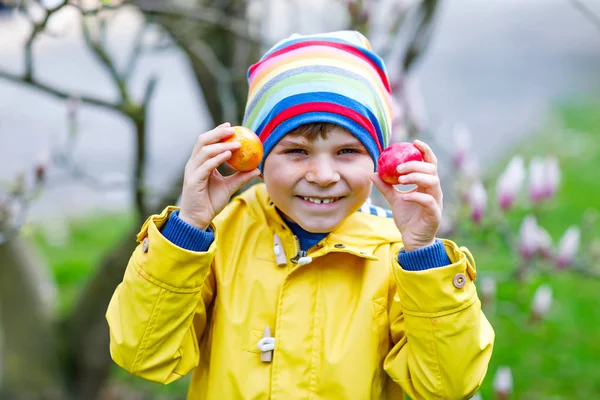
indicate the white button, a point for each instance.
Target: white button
{"x":460,"y":280}
{"x":145,"y":245}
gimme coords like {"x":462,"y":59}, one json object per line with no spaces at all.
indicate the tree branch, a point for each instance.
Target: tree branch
{"x":221,"y":74}
{"x":135,"y":53}
{"x":105,"y":60}
{"x":587,"y":13}
{"x":57,"y":92}
{"x":36,"y":30}
{"x":104,"y":7}
{"x":211,"y":16}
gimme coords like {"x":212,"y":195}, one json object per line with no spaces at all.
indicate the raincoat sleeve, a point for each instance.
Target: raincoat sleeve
{"x":442,"y":340}
{"x":159,"y":310}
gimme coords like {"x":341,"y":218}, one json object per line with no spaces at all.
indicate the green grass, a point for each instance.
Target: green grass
{"x":88,"y":240}
{"x":557,"y":359}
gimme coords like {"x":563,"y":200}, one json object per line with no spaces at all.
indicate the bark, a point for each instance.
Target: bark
{"x":31,"y":346}
{"x":86,"y":328}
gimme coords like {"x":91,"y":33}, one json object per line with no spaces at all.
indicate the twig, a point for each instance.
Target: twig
{"x":36,"y":30}
{"x":57,"y":92}
{"x":135,"y":53}
{"x":150,"y":86}
{"x":587,"y":13}
{"x":105,"y":60}
{"x":104,"y":7}
{"x":202,"y":14}
{"x":223,"y":76}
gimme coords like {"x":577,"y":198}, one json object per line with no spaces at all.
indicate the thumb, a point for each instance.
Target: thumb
{"x":239,"y":179}
{"x":388,"y":191}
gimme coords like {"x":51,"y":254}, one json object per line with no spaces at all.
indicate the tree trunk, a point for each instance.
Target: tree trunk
{"x":86,"y":329}
{"x":31,"y":347}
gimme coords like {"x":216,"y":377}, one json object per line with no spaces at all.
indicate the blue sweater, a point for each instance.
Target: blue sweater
{"x":194,"y":239}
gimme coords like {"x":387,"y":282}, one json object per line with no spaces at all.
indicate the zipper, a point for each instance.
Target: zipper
{"x":301,"y":256}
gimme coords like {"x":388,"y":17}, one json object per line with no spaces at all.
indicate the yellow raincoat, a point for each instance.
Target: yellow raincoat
{"x":349,"y":324}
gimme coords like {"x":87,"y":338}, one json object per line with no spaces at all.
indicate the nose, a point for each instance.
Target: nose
{"x":323,"y":172}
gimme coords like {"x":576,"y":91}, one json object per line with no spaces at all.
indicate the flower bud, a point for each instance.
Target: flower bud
{"x":477,"y":199}
{"x":528,"y":237}
{"x":510,"y":182}
{"x":503,"y":383}
{"x":537,"y":180}
{"x":552,"y":177}
{"x":568,"y":246}
{"x":462,"y":145}
{"x":544,"y":243}
{"x":542,"y":300}
{"x":487,"y":288}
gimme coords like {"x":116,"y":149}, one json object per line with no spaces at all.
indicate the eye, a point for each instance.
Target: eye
{"x":295,"y":151}
{"x":347,"y":151}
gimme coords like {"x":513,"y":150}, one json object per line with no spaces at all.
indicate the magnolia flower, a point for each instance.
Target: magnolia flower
{"x":551,"y":177}
{"x":537,"y":180}
{"x":568,"y":246}
{"x":544,"y":243}
{"x":510,"y":182}
{"x":542,"y":300}
{"x":462,"y":145}
{"x":470,"y":168}
{"x":487,"y":286}
{"x":477,"y":199}
{"x":528,"y":237}
{"x":503,"y":383}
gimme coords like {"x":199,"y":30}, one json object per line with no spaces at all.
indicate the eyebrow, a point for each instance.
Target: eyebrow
{"x":288,"y":142}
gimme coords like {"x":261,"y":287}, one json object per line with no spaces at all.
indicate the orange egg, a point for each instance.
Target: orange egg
{"x":247,"y":157}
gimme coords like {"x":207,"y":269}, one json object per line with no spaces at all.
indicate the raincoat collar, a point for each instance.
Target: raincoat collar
{"x":359,"y":234}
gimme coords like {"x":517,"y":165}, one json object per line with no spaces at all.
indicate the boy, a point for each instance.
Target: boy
{"x":299,"y":288}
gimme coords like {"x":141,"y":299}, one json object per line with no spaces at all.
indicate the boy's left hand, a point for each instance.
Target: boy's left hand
{"x":417,"y":213}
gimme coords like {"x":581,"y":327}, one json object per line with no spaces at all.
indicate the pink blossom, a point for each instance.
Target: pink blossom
{"x":542,"y":300}
{"x":470,"y":168}
{"x":462,"y":145}
{"x":568,"y":247}
{"x":544,"y":243}
{"x":537,"y":180}
{"x":503,"y":383}
{"x":551,"y":177}
{"x":488,"y":289}
{"x":528,"y":237}
{"x":510,"y":182}
{"x":477,"y":199}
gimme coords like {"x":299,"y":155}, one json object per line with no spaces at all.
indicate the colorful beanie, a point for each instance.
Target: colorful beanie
{"x":331,"y":77}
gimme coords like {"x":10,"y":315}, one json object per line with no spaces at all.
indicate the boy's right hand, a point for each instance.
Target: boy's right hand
{"x":205,"y":191}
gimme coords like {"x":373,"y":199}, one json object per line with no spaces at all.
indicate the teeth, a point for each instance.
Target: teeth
{"x":319,"y":201}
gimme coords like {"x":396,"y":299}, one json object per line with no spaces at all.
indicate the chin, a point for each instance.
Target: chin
{"x":317,"y":225}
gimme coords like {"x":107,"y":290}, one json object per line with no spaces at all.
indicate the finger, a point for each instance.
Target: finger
{"x":425,"y":200}
{"x":428,"y":155}
{"x":389,"y":192}
{"x":207,"y":168}
{"x":213,"y":136}
{"x":211,"y":150}
{"x":417,"y":166}
{"x":239,"y":179}
{"x":423,"y":181}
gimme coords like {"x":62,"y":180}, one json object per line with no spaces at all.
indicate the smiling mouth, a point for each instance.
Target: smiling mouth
{"x":320,"y":200}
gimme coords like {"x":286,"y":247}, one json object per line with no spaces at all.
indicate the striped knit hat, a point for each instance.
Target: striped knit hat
{"x":331,"y":77}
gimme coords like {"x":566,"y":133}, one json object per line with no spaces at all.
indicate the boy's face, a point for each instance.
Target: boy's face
{"x":317,"y":184}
